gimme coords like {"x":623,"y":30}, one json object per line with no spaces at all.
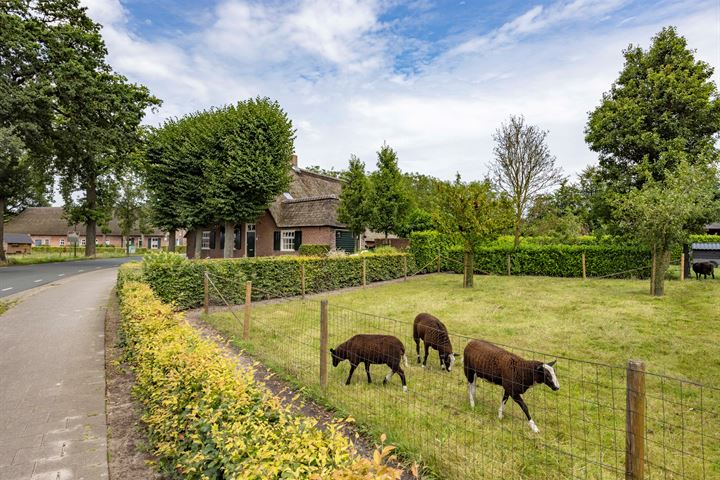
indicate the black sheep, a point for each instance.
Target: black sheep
{"x":371,"y":349}
{"x":496,"y":365}
{"x":434,"y":334}
{"x":704,"y":268}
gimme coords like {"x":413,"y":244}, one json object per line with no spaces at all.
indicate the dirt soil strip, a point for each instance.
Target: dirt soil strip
{"x":284,"y":391}
{"x":128,"y":451}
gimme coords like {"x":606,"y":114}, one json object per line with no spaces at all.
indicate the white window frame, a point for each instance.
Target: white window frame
{"x":47,"y":242}
{"x":62,"y":242}
{"x":82,"y":241}
{"x":205,"y":245}
{"x":287,"y":237}
{"x":155,"y":243}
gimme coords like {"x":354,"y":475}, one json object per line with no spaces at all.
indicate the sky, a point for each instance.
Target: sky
{"x":432,"y":78}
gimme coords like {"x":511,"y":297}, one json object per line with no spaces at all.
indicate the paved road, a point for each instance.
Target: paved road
{"x":52,"y":381}
{"x":17,"y":278}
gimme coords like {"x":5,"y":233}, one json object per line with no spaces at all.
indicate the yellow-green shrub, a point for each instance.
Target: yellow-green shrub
{"x":207,"y":420}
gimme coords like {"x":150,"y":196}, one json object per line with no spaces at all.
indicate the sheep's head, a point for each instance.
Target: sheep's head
{"x":447,"y":360}
{"x":545,"y":373}
{"x":335,"y":357}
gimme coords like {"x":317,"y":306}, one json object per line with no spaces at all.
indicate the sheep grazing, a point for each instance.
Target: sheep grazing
{"x":496,"y":365}
{"x":372,"y":349}
{"x":433,"y":334}
{"x":704,"y":268}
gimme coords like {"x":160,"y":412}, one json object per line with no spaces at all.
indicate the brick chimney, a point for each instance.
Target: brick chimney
{"x":293,"y":160}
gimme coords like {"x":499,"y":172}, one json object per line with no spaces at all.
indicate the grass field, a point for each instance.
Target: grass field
{"x":592,"y":327}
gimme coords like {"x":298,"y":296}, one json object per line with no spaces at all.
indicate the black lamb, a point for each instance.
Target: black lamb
{"x":372,"y":349}
{"x":704,"y":268}
{"x":434,"y":334}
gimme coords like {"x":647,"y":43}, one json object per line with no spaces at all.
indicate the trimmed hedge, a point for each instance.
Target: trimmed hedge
{"x":206,"y":419}
{"x":534,"y":259}
{"x":178,"y":280}
{"x":311,"y":250}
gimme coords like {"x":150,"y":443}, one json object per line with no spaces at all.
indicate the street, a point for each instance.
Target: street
{"x":17,"y":278}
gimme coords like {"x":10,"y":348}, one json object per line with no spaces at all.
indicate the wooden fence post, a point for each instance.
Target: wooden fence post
{"x":584,"y":269}
{"x":364,"y":272}
{"x":405,"y":267}
{"x":302,"y":279}
{"x":635,"y":421}
{"x":248,"y":305}
{"x":508,"y":265}
{"x":682,"y":267}
{"x":206,"y":297}
{"x":323,"y":343}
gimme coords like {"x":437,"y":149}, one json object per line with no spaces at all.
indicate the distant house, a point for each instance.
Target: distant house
{"x":713,"y":228}
{"x":307,"y":213}
{"x":47,"y":226}
{"x":17,"y":243}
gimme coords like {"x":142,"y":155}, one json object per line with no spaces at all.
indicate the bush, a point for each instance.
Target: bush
{"x":206,"y":419}
{"x":178,"y":280}
{"x":384,"y":249}
{"x":310,"y":250}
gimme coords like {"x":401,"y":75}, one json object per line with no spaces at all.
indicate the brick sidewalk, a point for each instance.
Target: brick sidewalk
{"x":52,"y":382}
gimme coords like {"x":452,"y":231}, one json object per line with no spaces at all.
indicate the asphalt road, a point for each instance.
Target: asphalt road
{"x":17,"y":278}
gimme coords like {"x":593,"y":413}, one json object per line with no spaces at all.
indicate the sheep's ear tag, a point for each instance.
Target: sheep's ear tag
{"x":552,"y":363}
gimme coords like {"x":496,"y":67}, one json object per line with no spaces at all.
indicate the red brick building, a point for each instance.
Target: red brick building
{"x":307,"y":213}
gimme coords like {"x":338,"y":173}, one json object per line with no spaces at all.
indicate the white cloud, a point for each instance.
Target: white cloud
{"x":330,"y":65}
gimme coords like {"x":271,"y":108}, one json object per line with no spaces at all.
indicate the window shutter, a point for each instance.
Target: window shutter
{"x":298,"y":240}
{"x":276,"y":240}
{"x":212,"y":239}
{"x":238,"y":238}
{"x":222,"y":238}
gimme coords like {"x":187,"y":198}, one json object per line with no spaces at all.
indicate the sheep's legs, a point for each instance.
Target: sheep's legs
{"x":518,"y":399}
{"x":427,"y":352}
{"x":471,"y":392}
{"x":388,"y":376}
{"x":367,"y":370}
{"x":352,"y":370}
{"x":417,"y":348}
{"x":402,"y":378}
{"x":502,"y":405}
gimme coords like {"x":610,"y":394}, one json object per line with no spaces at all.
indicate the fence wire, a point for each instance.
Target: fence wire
{"x":582,"y":426}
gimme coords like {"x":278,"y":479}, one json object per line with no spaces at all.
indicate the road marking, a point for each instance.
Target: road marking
{"x":97,"y":268}
{"x":61,"y":274}
{"x":6,"y":289}
{"x":38,"y":280}
{"x":81,"y":270}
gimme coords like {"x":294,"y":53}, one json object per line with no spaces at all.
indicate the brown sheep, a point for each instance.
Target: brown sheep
{"x":496,"y":365}
{"x":703,"y":268}
{"x":372,"y":349}
{"x":434,"y":334}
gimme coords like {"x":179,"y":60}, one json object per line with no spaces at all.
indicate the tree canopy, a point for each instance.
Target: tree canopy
{"x":390,"y":198}
{"x":355,"y":209}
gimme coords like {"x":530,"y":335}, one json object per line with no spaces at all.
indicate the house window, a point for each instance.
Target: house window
{"x":154,"y":242}
{"x":62,"y":242}
{"x":206,"y":240}
{"x":47,"y":241}
{"x":107,"y":243}
{"x":178,"y":241}
{"x":250,"y":227}
{"x":82,"y":241}
{"x":287,"y":241}
{"x":38,"y":242}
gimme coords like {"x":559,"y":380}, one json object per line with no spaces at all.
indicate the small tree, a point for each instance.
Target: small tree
{"x":129,"y":208}
{"x":523,"y":166}
{"x":662,"y":213}
{"x":355,"y":210}
{"x":474,"y":211}
{"x":390,"y":199}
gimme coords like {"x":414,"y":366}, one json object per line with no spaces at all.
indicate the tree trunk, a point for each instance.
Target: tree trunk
{"x":518,"y":221}
{"x":3,"y":258}
{"x":229,"y":240}
{"x":662,"y":263}
{"x":171,"y":240}
{"x":198,"y":243}
{"x":468,"y":271}
{"x":91,"y":223}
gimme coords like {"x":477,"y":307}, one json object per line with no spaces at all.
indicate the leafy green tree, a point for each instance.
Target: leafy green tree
{"x":421,"y":189}
{"x":20,"y":183}
{"x":129,"y":209}
{"x":355,"y":210}
{"x":662,"y":213}
{"x":474,"y":211}
{"x":662,"y":110}
{"x":390,"y":198}
{"x":418,"y":220}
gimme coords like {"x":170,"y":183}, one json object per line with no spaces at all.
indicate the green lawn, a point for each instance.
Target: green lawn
{"x":51,"y":257}
{"x":593,"y":328}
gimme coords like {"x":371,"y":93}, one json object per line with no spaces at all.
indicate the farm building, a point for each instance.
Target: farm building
{"x":713,"y":228}
{"x":17,"y":243}
{"x":704,"y":252}
{"x":307,"y":213}
{"x":47,"y":226}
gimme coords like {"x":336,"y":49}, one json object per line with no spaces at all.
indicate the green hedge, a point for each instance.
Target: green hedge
{"x":311,"y":250}
{"x":533,"y":259}
{"x":180,"y":281}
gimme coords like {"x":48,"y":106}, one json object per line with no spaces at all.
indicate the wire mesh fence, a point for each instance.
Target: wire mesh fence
{"x":585,"y":428}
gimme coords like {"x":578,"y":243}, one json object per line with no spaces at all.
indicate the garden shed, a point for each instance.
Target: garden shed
{"x":703,"y":252}
{"x":17,"y":243}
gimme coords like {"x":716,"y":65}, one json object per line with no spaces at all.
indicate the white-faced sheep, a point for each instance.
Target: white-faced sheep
{"x":434,"y":334}
{"x":496,"y":365}
{"x":703,"y":268}
{"x":372,"y":349}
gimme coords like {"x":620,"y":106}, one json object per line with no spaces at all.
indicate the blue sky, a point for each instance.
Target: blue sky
{"x":433,"y":79}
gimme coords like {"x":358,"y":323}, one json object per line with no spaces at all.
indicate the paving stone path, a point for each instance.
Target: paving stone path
{"x":52,"y":382}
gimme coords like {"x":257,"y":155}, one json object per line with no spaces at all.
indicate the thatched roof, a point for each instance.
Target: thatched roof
{"x":312,"y":201}
{"x":51,"y":221}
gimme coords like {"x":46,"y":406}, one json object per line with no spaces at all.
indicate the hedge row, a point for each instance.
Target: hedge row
{"x":208,"y":420}
{"x":313,"y":250}
{"x":103,"y":248}
{"x":180,"y":281}
{"x":529,"y":259}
